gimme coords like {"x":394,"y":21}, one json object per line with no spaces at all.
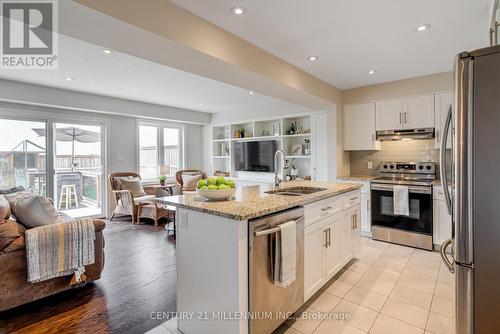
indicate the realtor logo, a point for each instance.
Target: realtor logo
{"x":29,"y":34}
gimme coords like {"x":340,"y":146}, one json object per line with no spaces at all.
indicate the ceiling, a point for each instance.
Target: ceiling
{"x":352,"y":37}
{"x":123,"y":76}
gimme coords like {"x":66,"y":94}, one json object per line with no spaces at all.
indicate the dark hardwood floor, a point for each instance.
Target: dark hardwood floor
{"x":139,"y":277}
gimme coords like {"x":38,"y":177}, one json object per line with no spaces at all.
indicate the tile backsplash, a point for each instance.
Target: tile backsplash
{"x":412,"y":150}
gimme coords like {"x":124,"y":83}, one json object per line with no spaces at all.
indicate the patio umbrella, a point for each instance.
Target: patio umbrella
{"x":72,"y":134}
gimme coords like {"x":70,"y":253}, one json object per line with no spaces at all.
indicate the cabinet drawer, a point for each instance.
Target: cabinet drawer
{"x":351,"y":199}
{"x":321,"y":209}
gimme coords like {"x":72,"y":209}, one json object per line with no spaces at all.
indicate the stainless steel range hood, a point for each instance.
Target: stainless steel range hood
{"x":405,"y":134}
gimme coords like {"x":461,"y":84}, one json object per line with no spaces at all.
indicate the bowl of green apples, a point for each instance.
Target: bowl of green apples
{"x":216,"y":188}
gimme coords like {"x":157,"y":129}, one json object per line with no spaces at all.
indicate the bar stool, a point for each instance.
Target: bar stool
{"x":68,"y":196}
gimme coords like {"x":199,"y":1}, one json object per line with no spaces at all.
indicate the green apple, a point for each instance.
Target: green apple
{"x":212,"y":187}
{"x":222,"y":186}
{"x":202,"y":183}
{"x":204,"y":188}
{"x":221,"y":180}
{"x":211,"y":181}
{"x":230,"y":183}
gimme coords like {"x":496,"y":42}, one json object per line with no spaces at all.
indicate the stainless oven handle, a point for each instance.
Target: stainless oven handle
{"x":442,"y":161}
{"x":411,"y":189}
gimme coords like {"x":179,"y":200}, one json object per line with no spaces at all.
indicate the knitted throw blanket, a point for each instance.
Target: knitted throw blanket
{"x":60,"y":249}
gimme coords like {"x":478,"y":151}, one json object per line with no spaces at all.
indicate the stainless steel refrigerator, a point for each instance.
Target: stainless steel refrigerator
{"x":471,"y":183}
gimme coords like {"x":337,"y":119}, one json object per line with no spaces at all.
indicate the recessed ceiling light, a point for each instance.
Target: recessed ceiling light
{"x":238,"y":10}
{"x":424,"y":27}
{"x":200,"y":104}
{"x":312,"y":58}
{"x":68,"y":78}
{"x":371,"y":72}
{"x":251,"y":92}
{"x":107,"y":51}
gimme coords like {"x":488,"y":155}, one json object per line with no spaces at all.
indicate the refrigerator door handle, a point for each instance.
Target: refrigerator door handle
{"x":449,"y":263}
{"x":442,"y":161}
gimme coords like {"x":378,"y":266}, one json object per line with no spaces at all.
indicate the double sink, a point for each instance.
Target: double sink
{"x":295,"y":191}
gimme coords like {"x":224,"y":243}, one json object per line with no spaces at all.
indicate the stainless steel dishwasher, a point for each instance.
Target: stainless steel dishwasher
{"x":265,"y":298}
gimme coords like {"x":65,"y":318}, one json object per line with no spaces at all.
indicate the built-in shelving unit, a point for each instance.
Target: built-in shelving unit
{"x":293,"y":134}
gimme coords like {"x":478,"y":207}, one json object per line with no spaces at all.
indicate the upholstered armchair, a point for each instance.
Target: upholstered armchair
{"x":192,"y":172}
{"x":125,"y":203}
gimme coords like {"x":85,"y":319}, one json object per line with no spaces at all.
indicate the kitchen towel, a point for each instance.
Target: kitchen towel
{"x":285,"y":254}
{"x":401,"y":201}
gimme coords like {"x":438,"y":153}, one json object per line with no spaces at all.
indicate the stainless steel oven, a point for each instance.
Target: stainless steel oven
{"x":414,"y":229}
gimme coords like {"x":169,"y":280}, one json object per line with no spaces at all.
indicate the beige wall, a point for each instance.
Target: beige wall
{"x":407,"y":87}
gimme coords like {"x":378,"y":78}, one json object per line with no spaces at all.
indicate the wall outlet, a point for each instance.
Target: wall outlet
{"x":183,"y":220}
{"x":370,"y":165}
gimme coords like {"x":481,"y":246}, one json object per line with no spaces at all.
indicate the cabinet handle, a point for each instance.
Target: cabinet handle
{"x":326,"y":238}
{"x":352,"y":222}
{"x":353,"y":198}
{"x":326,"y":209}
{"x":356,"y":220}
{"x":400,"y":118}
{"x":368,"y":205}
{"x":329,"y":237}
{"x":373,"y":137}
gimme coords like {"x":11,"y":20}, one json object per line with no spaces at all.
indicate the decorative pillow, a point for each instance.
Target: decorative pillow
{"x":10,"y":231}
{"x":11,"y":190}
{"x":134,"y":186}
{"x":189,"y":182}
{"x":35,"y":211}
{"x":4,"y":208}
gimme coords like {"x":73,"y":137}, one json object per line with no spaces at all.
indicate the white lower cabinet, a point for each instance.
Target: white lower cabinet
{"x":441,"y":229}
{"x":314,"y":248}
{"x":329,"y":243}
{"x":356,"y":229}
{"x":366,"y":214}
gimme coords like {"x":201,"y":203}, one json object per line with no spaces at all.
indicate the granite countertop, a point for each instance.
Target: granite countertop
{"x":252,"y":201}
{"x":356,"y":178}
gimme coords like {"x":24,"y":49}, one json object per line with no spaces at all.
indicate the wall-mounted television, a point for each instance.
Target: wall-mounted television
{"x":255,"y":156}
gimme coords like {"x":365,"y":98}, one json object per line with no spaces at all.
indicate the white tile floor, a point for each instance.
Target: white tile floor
{"x":386,"y":289}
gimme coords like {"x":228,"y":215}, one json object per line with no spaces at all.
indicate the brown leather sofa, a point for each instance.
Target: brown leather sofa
{"x":14,"y":288}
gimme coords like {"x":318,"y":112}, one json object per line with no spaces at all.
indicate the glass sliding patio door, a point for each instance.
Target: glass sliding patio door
{"x":23,"y":158}
{"x":79,"y":169}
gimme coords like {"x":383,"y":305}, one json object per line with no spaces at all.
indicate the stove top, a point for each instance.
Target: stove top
{"x":407,"y":173}
{"x":403,"y":181}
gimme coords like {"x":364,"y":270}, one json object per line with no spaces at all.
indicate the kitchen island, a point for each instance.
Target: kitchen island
{"x":213,"y":248}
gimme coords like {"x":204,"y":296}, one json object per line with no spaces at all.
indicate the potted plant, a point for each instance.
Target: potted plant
{"x":162,"y":179}
{"x":307,"y":146}
{"x":294,"y":172}
{"x":242,"y":133}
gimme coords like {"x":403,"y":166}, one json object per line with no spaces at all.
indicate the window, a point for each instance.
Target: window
{"x":160,"y":145}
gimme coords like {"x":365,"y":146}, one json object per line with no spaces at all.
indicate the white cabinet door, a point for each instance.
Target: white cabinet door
{"x":345,"y":237}
{"x":356,"y":229}
{"x":441,"y":222}
{"x":366,"y":214}
{"x":333,"y":262}
{"x":442,"y":103}
{"x":314,"y":257}
{"x":319,"y":146}
{"x":389,"y":115}
{"x":359,"y":127}
{"x":419,"y":112}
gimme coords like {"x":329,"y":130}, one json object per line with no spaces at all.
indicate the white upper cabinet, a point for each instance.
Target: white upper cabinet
{"x":359,"y":127}
{"x":442,"y":102}
{"x":390,"y":115}
{"x":408,"y":113}
{"x":419,"y":112}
